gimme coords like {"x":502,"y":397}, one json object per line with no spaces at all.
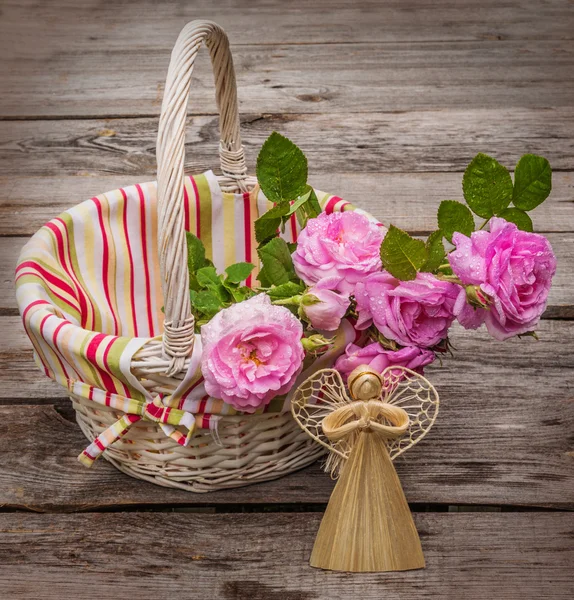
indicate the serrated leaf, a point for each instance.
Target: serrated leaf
{"x":195,"y":252}
{"x":454,"y":216}
{"x":532,"y":182}
{"x":195,"y":258}
{"x":521,"y":219}
{"x":436,"y":254}
{"x":402,"y":255}
{"x":285,"y":290}
{"x":277,"y":264}
{"x":206,"y":276}
{"x":487,"y":186}
{"x":281,"y":169}
{"x":267,"y":224}
{"x":206,"y":302}
{"x":240,"y":294}
{"x":262,"y":278}
{"x":239,"y":271}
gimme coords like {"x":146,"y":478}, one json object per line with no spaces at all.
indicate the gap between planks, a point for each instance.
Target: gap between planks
{"x":279,"y":507}
{"x":434,"y":141}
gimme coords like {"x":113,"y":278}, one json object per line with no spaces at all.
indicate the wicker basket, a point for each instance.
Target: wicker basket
{"x":134,"y":410}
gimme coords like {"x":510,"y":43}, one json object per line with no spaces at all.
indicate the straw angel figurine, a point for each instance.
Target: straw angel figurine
{"x":367,"y":525}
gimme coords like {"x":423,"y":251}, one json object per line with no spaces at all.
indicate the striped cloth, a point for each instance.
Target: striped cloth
{"x":89,"y":292}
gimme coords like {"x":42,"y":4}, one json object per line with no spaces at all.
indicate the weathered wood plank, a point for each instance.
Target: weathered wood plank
{"x":406,"y":142}
{"x":139,"y":24}
{"x":514,"y":556}
{"x":503,"y":436}
{"x":92,"y":79}
{"x":408,"y":199}
{"x":560,"y":302}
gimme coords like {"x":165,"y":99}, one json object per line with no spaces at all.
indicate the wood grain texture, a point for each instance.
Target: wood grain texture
{"x":265,"y":557}
{"x":503,"y":436}
{"x":137,"y":24}
{"x":390,"y":101}
{"x":404,"y":142}
{"x":408,"y":199}
{"x":353,"y":78}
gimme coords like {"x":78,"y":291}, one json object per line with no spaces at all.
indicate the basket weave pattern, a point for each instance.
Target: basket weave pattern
{"x":247,"y":449}
{"x":132,"y":389}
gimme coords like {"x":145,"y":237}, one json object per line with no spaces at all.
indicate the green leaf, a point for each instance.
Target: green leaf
{"x":263,"y":280}
{"x":309,"y":209}
{"x":206,"y":302}
{"x":281,"y":169}
{"x":207,"y":276}
{"x":532,"y":182}
{"x":285,"y":290}
{"x":518,"y":217}
{"x":436,"y":254}
{"x":195,"y":252}
{"x":267,"y":224}
{"x":313,"y":206}
{"x":277,"y":264}
{"x":265,"y":230}
{"x":487,"y":186}
{"x":454,"y":216}
{"x":240,"y":294}
{"x":239,"y":271}
{"x":402,"y":255}
{"x":299,"y":202}
{"x":195,"y":258}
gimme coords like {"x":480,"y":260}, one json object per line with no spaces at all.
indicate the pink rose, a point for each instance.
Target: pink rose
{"x":378,"y":358}
{"x":514,"y":268}
{"x":345,"y":245}
{"x":323,"y":307}
{"x":412,"y":313}
{"x":252,"y":352}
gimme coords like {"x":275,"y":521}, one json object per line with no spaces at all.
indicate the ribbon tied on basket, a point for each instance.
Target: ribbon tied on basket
{"x":367,"y":525}
{"x":155,"y":411}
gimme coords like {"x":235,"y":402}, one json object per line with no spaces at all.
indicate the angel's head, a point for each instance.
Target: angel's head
{"x":365,"y":384}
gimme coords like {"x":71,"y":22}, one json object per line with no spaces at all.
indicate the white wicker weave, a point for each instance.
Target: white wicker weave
{"x":245,"y":449}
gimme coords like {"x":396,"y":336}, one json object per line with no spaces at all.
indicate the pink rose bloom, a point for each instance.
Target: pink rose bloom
{"x":412,"y":313}
{"x":514,"y":268}
{"x":331,"y":308}
{"x":345,"y":245}
{"x":378,"y":358}
{"x":252,"y":352}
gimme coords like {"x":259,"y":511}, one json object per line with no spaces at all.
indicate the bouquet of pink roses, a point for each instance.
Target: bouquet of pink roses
{"x":401,"y":294}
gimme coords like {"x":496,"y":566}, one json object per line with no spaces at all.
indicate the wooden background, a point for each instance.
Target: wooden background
{"x":390,"y":100}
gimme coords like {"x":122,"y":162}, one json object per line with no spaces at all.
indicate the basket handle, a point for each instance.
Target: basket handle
{"x":178,"y":337}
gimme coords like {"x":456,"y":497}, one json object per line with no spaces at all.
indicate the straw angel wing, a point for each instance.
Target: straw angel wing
{"x":324,"y":392}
